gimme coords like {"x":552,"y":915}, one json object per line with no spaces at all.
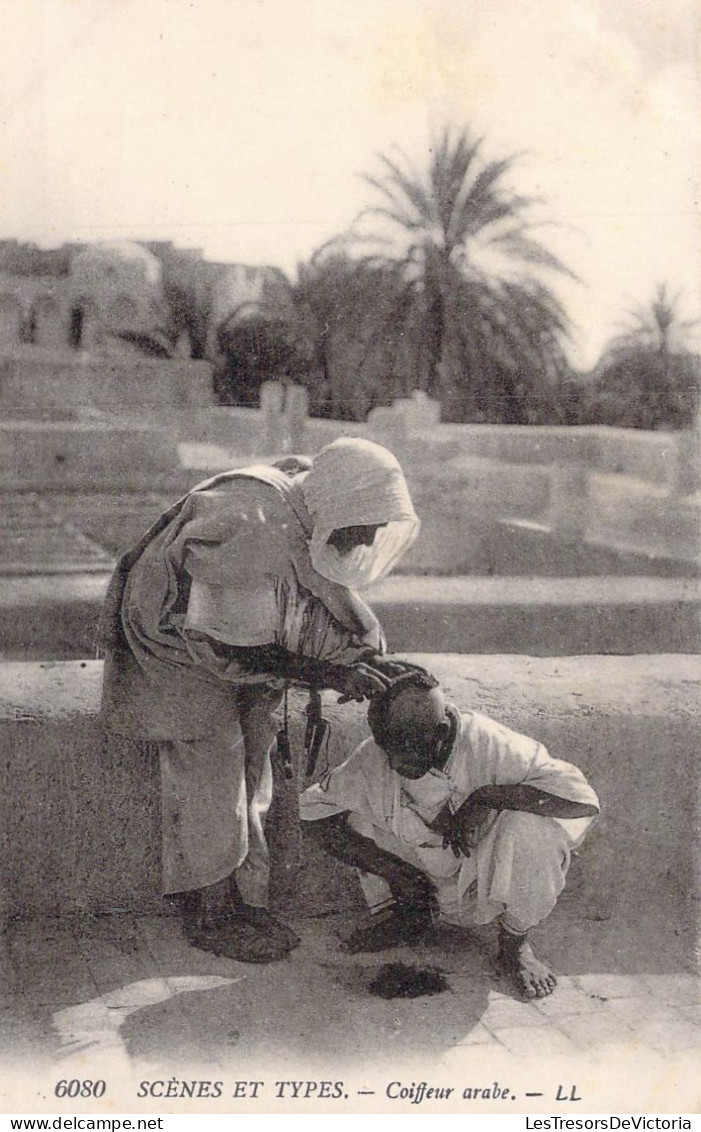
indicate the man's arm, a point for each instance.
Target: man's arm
{"x":364,"y":676}
{"x":355,"y":680}
{"x":338,"y":838}
{"x":530,"y":800}
{"x":461,"y":829}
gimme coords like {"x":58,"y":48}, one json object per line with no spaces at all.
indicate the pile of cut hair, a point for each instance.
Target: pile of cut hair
{"x":402,"y":980}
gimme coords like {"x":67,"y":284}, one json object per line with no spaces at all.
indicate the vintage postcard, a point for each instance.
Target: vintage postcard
{"x":350,"y":469}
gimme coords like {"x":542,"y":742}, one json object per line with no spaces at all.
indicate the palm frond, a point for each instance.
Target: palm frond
{"x":529,"y":250}
{"x":450,"y":170}
{"x":403,"y":219}
{"x":414,"y":286}
{"x":477,"y":217}
{"x":483,"y":186}
{"x":413,"y":190}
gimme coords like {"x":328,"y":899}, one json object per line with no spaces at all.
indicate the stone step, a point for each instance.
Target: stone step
{"x":514,"y":545}
{"x":540,"y":616}
{"x":116,"y":522}
{"x":44,"y":455}
{"x":38,"y":539}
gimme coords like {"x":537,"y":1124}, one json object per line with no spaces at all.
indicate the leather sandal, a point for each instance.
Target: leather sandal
{"x":267,"y":925}
{"x":236,"y":939}
{"x":402,"y":924}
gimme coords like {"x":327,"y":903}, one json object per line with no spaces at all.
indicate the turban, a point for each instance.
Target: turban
{"x":351,"y":483}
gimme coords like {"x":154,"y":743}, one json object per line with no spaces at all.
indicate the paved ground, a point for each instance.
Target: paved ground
{"x":129,"y":992}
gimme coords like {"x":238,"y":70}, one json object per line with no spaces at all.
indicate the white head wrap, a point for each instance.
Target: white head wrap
{"x":351,"y":483}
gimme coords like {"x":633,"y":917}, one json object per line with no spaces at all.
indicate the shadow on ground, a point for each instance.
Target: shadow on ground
{"x":131,"y":988}
{"x":314,"y":1008}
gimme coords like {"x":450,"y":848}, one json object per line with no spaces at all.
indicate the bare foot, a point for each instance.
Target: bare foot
{"x":533,"y":978}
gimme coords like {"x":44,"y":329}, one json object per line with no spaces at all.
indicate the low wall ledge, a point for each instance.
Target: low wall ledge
{"x":645,"y":685}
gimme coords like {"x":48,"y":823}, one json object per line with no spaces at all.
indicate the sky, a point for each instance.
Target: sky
{"x":243,"y":127}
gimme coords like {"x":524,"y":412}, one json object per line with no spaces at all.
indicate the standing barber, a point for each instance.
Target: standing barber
{"x":246,"y":583}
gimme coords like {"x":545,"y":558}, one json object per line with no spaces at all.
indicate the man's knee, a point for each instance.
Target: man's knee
{"x":533,"y":834}
{"x":519,"y":823}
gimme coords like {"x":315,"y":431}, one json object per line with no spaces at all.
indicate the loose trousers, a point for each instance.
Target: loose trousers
{"x":215,"y":795}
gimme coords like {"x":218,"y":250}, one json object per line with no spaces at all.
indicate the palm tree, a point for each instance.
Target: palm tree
{"x":657,"y":328}
{"x":465,"y":262}
{"x":648,"y":376}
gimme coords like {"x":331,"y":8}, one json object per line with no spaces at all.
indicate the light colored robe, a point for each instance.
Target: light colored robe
{"x":519,"y":865}
{"x":230,"y":562}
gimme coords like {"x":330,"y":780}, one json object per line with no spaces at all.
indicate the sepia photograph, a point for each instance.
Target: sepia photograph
{"x":350,"y":470}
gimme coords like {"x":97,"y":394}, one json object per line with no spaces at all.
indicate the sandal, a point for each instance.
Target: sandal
{"x":267,"y":925}
{"x":236,"y":939}
{"x":404,"y":924}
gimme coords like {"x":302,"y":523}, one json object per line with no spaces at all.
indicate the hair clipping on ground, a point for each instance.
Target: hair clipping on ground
{"x":402,"y":980}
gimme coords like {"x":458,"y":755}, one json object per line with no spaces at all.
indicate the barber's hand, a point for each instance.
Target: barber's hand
{"x":359,"y":681}
{"x":393,"y":666}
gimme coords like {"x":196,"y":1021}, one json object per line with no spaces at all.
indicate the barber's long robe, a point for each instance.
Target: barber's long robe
{"x":228,"y":565}
{"x":518,"y":867}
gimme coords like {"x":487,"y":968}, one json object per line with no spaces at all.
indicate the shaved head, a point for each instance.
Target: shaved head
{"x":410,"y":723}
{"x":415,"y":710}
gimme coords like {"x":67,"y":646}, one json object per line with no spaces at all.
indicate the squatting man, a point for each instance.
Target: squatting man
{"x":451,"y":816}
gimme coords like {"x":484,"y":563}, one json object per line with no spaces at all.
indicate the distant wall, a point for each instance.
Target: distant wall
{"x":458,"y":506}
{"x":605,"y":487}
{"x":653,"y":457}
{"x":633,"y":492}
{"x":76,"y":455}
{"x":666,"y":460}
{"x":40,"y":383}
{"x":650,"y":456}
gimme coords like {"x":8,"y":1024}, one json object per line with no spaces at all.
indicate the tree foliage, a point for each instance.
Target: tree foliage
{"x":350,"y":368}
{"x":648,"y":376}
{"x":466,"y":308}
{"x":255,"y":350}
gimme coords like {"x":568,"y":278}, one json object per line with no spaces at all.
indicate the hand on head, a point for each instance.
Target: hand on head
{"x":373,"y":676}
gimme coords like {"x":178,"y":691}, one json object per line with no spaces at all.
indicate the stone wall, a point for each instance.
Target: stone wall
{"x":40,"y":383}
{"x":41,"y":308}
{"x":53,"y":456}
{"x":579,"y":491}
{"x":583,"y":491}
